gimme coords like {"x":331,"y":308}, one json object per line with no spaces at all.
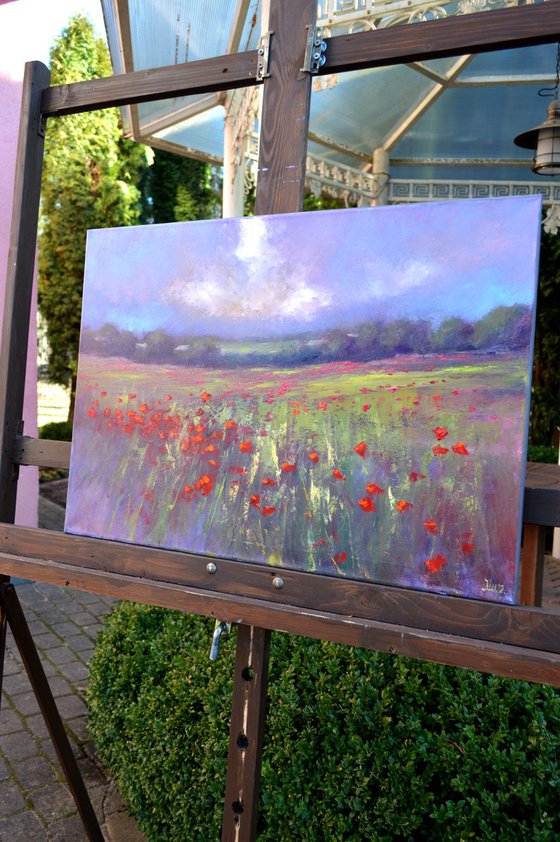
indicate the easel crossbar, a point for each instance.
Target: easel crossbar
{"x":454,"y":650}
{"x":26,"y":551}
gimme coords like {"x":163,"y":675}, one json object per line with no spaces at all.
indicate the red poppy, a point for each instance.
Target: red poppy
{"x":286,"y":467}
{"x":188,"y":489}
{"x":246,"y":446}
{"x":460,"y":449}
{"x":267,"y":510}
{"x":255,"y":500}
{"x":314,"y":456}
{"x":414,"y":477}
{"x":337,"y":474}
{"x":467,"y":547}
{"x":236,"y":470}
{"x":103,"y":394}
{"x":402,"y":505}
{"x":367,"y":504}
{"x":205,"y":396}
{"x":373,"y":488}
{"x":435,"y":563}
{"x":106,"y":413}
{"x":439,"y":450}
{"x":440,"y":433}
{"x":231,"y":424}
{"x":361,"y":449}
{"x":322,"y":405}
{"x":431,"y":526}
{"x":204,"y":484}
{"x":91,"y":412}
{"x":365,"y":407}
{"x":339,"y":558}
{"x":268,"y":481}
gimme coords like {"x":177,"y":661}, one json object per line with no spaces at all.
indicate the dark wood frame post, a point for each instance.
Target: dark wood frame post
{"x":282,"y":151}
{"x":13,"y":359}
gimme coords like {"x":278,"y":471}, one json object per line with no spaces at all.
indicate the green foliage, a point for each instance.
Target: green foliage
{"x":89,"y":181}
{"x":177,"y":189}
{"x":545,"y":401}
{"x":56,"y":431}
{"x":542,"y":453}
{"x":358,"y":745}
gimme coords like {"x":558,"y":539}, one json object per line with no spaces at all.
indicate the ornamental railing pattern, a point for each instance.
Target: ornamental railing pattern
{"x":420,"y":190}
{"x":347,"y":16}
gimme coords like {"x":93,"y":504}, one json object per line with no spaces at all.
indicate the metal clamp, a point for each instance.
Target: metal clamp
{"x":315,"y":48}
{"x":219,"y":629}
{"x":263,"y":51}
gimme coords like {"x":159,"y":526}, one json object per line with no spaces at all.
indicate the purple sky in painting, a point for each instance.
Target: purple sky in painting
{"x":271,"y":276}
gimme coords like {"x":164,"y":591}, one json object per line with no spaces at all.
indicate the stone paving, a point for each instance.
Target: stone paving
{"x":35,"y":803}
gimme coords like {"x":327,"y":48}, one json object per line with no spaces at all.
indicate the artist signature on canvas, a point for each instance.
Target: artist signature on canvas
{"x":494,"y":587}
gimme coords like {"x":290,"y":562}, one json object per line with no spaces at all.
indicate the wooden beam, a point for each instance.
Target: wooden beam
{"x":507,"y":624}
{"x":19,"y":278}
{"x":212,"y":74}
{"x":514,"y":661}
{"x":522,"y":26}
{"x":285,"y":115}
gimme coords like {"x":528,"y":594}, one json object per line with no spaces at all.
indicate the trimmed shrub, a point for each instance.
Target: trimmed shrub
{"x":56,"y":431}
{"x":358,"y":746}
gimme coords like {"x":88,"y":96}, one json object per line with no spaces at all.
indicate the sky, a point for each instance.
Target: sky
{"x":272,"y":276}
{"x":43,"y":21}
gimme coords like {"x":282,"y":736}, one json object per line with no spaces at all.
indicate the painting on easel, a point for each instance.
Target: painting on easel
{"x":339,"y":392}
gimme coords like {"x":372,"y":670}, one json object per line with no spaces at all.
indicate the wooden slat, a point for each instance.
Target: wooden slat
{"x":532,"y":564}
{"x":511,"y":660}
{"x":502,"y":29}
{"x":19,"y":278}
{"x":524,"y":626}
{"x":196,"y":77}
{"x":42,"y":452}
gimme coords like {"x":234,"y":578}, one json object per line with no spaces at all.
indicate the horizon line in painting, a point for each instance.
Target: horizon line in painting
{"x":340,"y":392}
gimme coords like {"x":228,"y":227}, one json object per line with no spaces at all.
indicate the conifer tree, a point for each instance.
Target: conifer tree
{"x":90,"y":179}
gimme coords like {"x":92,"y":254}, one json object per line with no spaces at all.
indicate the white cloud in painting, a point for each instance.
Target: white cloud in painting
{"x":257,"y":281}
{"x":384,"y":279}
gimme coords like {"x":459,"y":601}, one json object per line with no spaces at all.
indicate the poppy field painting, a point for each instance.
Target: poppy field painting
{"x":340,"y":392}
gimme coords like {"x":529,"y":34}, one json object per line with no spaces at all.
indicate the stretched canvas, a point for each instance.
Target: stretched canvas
{"x":341,"y":392}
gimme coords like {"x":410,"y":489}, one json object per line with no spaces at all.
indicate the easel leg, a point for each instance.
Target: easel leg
{"x":3,"y":626}
{"x":246,"y":734}
{"x":11,"y":611}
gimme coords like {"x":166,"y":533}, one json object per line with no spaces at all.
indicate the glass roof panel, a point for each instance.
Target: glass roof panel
{"x":178,"y":30}
{"x":203,"y":133}
{"x":474,"y":122}
{"x":363,"y":107}
{"x":528,"y":60}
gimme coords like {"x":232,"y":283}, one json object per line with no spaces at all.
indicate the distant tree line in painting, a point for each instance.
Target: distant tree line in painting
{"x":502,"y":329}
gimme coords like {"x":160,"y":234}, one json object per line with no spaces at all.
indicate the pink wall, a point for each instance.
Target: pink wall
{"x":10,"y":99}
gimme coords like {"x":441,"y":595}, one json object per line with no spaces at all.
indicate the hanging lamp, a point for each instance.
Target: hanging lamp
{"x":545,"y":138}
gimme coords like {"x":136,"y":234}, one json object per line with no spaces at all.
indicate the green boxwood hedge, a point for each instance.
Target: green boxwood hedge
{"x":359,"y":745}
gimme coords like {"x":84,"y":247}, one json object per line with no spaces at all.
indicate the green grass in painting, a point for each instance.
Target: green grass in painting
{"x":407,"y":471}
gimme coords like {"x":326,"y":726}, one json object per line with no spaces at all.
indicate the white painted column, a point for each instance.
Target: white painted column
{"x":381,"y":172}
{"x":233,"y":190}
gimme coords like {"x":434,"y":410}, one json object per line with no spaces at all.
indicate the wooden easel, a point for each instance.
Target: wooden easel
{"x":514,"y":641}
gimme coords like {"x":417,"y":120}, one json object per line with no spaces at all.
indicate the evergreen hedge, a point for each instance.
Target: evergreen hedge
{"x":359,"y":745}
